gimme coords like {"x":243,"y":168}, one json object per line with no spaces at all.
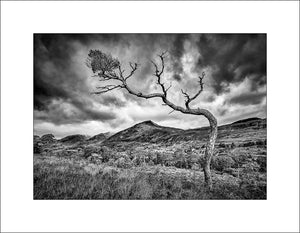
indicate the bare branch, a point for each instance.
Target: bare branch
{"x":162,"y":56}
{"x":171,"y":111}
{"x":121,"y":72}
{"x":201,"y":86}
{"x":108,"y":76}
{"x":155,"y":66}
{"x":103,"y":80}
{"x":169,"y":87}
{"x":185,"y":94}
{"x":158,"y":73}
{"x":107,"y":88}
{"x":133,"y":69}
{"x":190,"y":99}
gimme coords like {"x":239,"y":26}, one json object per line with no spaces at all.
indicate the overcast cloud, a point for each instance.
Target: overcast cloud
{"x":234,"y":85}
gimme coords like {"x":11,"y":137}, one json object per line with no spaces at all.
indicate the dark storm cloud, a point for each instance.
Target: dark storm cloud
{"x":177,"y":77}
{"x":146,"y":47}
{"x":64,"y":112}
{"x":45,"y":87}
{"x":89,"y":38}
{"x":56,"y":78}
{"x":232,"y":57}
{"x":247,"y":98}
{"x":176,"y":53}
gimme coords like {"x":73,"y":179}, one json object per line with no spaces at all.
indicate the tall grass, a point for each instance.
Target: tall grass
{"x":68,"y":180}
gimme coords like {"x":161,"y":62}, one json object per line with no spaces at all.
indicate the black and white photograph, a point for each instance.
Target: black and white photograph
{"x":150,"y":116}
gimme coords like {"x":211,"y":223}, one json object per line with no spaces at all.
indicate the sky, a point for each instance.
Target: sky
{"x":64,"y":103}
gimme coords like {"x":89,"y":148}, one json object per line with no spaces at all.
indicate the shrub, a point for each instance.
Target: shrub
{"x":262,"y":162}
{"x":104,"y":152}
{"x":120,"y":162}
{"x":111,"y":162}
{"x":220,"y":163}
{"x":123,"y":163}
{"x":89,"y":150}
{"x":251,"y":187}
{"x":240,"y":159}
{"x":37,"y":148}
{"x":64,"y":153}
{"x":95,"y":158}
{"x":138,"y":159}
{"x":250,"y":167}
{"x":151,"y":163}
{"x":195,"y":166}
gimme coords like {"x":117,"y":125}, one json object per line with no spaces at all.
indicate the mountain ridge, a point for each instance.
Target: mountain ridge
{"x":149,"y":131}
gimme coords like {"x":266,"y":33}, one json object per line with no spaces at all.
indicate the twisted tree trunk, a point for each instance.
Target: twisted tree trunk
{"x":209,"y":150}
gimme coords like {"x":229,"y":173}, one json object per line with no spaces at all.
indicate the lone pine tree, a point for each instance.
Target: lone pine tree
{"x":107,"y":68}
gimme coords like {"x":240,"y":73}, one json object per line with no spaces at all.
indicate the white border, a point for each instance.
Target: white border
{"x":19,"y":20}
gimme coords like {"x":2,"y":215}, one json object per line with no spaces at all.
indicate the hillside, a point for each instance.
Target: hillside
{"x":146,"y":131}
{"x":73,"y":138}
{"x":149,"y":131}
{"x":99,"y":137}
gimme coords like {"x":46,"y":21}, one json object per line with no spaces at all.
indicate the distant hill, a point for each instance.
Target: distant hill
{"x":146,"y":131}
{"x":252,"y":119}
{"x":250,"y":122}
{"x":149,"y":131}
{"x":73,"y":138}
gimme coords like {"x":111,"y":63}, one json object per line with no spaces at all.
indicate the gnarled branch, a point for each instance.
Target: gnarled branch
{"x":190,"y":99}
